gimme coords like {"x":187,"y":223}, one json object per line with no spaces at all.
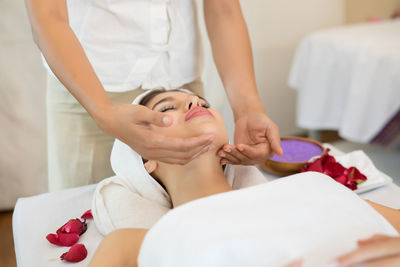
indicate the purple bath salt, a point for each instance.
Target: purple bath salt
{"x":297,"y":151}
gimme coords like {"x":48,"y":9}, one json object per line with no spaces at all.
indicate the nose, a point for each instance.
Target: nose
{"x":192,"y":101}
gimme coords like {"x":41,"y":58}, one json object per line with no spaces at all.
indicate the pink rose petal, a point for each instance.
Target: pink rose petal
{"x":76,"y":253}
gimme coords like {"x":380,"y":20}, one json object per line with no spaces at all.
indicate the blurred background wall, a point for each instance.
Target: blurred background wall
{"x":275,"y":29}
{"x":23,"y":169}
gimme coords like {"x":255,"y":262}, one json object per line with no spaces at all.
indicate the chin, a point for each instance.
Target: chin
{"x":217,"y":130}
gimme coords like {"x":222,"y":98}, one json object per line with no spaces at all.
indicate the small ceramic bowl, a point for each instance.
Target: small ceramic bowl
{"x":293,"y":162}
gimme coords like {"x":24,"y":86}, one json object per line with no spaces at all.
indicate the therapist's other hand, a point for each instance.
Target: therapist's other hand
{"x":137,"y":126}
{"x":256,"y":139}
{"x":380,"y":250}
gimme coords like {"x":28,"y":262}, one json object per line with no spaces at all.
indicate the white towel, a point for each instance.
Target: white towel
{"x":134,"y":199}
{"x":306,"y":215}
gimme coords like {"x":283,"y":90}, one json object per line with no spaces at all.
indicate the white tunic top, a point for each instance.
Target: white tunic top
{"x":132,"y":43}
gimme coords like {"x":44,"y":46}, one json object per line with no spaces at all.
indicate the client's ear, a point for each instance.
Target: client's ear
{"x":151,"y":165}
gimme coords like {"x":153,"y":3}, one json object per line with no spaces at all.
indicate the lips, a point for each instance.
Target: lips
{"x":197,"y":112}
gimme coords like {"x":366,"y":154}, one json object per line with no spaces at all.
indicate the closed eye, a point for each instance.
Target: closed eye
{"x":167,"y":108}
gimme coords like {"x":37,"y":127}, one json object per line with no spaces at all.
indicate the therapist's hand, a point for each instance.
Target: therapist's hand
{"x":139,"y":127}
{"x":380,"y":250}
{"x":256,"y":139}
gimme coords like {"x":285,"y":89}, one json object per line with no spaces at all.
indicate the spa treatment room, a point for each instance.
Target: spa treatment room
{"x":201,"y":133}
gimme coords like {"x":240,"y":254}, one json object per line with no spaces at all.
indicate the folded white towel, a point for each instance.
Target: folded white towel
{"x":134,"y":199}
{"x":306,"y":215}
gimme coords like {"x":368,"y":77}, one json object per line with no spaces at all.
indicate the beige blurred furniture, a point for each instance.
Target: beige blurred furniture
{"x":347,"y":79}
{"x":359,"y":10}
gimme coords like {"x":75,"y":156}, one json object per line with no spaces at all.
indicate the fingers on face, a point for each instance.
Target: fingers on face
{"x":228,"y":158}
{"x":181,"y":145}
{"x":180,"y":158}
{"x":147,"y":116}
{"x":176,"y":150}
{"x":378,"y":248}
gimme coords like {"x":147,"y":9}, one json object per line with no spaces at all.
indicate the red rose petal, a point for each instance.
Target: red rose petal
{"x":328,"y":165}
{"x":72,"y":226}
{"x":341,"y":179}
{"x":87,"y":215}
{"x":356,"y":175}
{"x":64,"y":240}
{"x":315,"y":166}
{"x":352,"y":185}
{"x":53,"y":238}
{"x":76,"y":253}
{"x":334,"y":169}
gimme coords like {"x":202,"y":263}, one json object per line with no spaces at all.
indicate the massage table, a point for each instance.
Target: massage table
{"x":35,"y":217}
{"x":347,"y":79}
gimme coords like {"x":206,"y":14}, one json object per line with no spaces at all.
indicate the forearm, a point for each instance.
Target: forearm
{"x":232,"y":54}
{"x":65,"y":55}
{"x":119,"y":248}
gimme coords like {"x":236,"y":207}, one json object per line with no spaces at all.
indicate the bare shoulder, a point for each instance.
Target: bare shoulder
{"x":119,"y":248}
{"x":391,"y":215}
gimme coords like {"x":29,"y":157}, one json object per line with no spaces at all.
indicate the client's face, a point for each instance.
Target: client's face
{"x":191,"y":116}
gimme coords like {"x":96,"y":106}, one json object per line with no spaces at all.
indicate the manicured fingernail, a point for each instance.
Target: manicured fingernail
{"x":166,"y":120}
{"x":222,"y":154}
{"x":227,"y":149}
{"x":240,"y":148}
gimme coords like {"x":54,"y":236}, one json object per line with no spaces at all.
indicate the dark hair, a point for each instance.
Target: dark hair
{"x":146,"y":99}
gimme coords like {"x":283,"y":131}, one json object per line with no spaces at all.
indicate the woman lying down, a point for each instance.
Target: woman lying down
{"x":306,"y":216}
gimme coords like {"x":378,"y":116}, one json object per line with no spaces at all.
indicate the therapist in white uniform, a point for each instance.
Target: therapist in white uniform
{"x":102,"y":53}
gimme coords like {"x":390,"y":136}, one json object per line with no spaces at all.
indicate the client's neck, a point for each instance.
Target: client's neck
{"x":199,"y":178}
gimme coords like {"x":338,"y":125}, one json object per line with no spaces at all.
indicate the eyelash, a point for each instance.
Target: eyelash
{"x":166,"y":108}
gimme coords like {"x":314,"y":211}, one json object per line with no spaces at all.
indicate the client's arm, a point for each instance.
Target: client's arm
{"x":391,"y":215}
{"x":379,"y":250}
{"x":119,"y":248}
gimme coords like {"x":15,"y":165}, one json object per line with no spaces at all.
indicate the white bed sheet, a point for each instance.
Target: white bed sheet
{"x":35,"y":217}
{"x":348,"y":79}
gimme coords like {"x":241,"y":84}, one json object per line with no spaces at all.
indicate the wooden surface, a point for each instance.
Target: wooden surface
{"x":7,"y":254}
